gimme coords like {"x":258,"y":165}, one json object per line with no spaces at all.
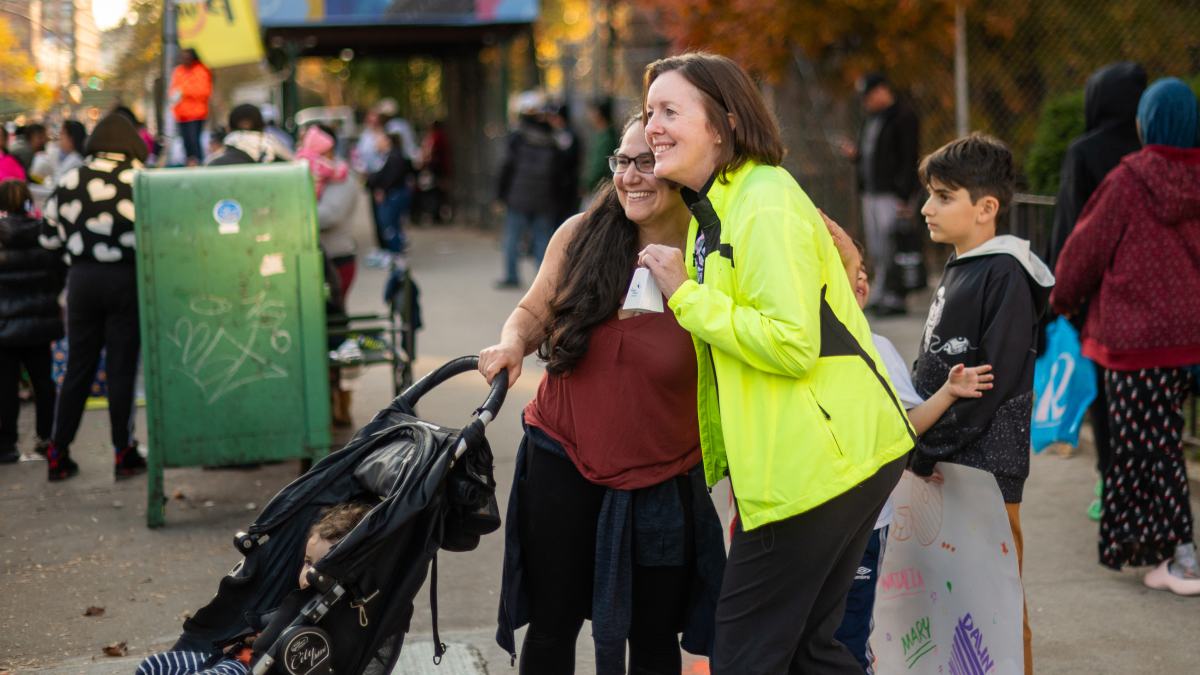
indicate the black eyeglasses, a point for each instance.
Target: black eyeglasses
{"x":620,"y":163}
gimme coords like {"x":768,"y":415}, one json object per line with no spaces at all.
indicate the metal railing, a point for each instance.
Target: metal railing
{"x":1032,"y":217}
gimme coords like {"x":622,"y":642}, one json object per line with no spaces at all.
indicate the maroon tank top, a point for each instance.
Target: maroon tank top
{"x":627,"y":413}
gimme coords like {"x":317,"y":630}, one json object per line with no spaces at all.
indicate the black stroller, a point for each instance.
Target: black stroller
{"x":431,"y":487}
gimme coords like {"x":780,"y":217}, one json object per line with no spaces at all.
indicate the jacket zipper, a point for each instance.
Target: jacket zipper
{"x":828,"y":418}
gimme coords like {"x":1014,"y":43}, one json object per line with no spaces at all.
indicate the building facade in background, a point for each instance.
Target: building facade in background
{"x":60,"y":37}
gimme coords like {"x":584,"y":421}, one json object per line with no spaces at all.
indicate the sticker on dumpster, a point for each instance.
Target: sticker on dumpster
{"x":228,"y":214}
{"x":272,"y":263}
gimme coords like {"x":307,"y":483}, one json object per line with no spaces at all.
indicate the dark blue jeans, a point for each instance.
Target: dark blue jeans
{"x":387,"y":219}
{"x":855,"y":630}
{"x":515,"y":225}
{"x":190,"y":132}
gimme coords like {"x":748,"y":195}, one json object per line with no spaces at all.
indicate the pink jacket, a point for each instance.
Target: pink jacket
{"x":313,"y":147}
{"x":10,"y":168}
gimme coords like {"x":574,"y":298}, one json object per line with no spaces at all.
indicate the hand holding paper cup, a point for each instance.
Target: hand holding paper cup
{"x":644,"y":295}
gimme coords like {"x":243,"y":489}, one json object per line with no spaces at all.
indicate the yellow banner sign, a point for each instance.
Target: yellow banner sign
{"x":223,"y":32}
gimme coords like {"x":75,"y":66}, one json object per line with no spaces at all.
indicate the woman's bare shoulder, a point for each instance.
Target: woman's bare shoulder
{"x":566,"y":231}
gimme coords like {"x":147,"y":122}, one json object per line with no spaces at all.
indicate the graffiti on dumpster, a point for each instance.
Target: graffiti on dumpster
{"x":217,"y":361}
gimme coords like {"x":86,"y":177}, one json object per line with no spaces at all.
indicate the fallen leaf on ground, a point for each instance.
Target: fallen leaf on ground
{"x":116,"y":649}
{"x":94,"y":611}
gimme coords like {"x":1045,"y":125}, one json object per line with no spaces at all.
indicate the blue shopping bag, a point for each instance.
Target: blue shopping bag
{"x":1064,"y":381}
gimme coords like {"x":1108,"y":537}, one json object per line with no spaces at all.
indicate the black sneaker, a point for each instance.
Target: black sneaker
{"x":129,"y":462}
{"x":59,"y":465}
{"x":9,"y":455}
{"x":506,"y":285}
{"x":41,"y":446}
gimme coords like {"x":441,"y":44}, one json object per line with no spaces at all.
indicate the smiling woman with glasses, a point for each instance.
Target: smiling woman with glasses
{"x":620,"y":163}
{"x":614,"y":423}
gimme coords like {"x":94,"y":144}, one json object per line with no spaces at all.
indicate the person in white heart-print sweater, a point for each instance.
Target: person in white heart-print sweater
{"x":90,"y":217}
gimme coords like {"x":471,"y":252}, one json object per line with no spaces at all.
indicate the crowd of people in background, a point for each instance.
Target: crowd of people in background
{"x":56,"y":206}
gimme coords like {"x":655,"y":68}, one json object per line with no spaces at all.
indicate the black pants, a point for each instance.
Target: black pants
{"x":102,"y":312}
{"x":558,"y":516}
{"x":1098,"y":412}
{"x":190,"y":132}
{"x":786,"y":582}
{"x":38,"y":361}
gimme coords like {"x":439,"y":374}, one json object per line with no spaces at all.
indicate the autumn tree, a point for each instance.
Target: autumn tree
{"x":141,"y":59}
{"x":18,"y":88}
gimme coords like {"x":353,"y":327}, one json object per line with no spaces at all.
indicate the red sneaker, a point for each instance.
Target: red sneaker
{"x":129,"y":462}
{"x":59,"y":465}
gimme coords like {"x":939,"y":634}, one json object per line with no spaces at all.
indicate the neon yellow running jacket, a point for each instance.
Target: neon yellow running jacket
{"x":794,"y":402}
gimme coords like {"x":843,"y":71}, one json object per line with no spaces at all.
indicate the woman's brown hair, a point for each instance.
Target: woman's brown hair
{"x":596,"y":270}
{"x":726,"y":89}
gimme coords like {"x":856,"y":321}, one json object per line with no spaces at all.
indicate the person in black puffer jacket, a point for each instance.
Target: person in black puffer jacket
{"x":31,"y":279}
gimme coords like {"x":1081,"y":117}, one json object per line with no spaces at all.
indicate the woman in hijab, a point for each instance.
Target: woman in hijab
{"x":1135,"y":253}
{"x":91,"y":214}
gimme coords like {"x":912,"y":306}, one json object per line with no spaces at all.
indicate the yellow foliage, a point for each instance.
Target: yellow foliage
{"x":17,"y":72}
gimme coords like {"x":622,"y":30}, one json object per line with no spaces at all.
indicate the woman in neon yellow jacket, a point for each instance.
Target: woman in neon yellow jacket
{"x":794,"y":403}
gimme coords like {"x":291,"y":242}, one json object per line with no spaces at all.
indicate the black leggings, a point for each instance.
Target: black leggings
{"x":786,"y":582}
{"x":558,"y":517}
{"x":39,"y":363}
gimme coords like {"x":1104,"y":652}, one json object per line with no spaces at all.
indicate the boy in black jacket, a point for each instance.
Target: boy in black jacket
{"x":985,"y":311}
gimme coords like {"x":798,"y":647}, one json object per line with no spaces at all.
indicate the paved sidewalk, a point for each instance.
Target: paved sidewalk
{"x":84,"y":543}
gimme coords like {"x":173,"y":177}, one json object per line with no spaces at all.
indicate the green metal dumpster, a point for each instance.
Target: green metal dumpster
{"x":232,"y":302}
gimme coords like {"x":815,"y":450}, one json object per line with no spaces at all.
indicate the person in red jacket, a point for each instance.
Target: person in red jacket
{"x":191,"y":85}
{"x":1135,"y":253}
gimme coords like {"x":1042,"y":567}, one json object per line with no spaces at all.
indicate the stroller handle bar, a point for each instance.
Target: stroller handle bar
{"x":464,"y":364}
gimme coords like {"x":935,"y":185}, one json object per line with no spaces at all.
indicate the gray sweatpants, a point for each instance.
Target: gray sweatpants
{"x":879,"y":222}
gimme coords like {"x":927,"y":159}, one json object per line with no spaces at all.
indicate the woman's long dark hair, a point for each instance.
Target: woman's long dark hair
{"x":77,"y":133}
{"x":595,"y":275}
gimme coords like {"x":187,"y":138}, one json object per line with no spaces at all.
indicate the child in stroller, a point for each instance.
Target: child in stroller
{"x":333,"y":523}
{"x":430,"y":488}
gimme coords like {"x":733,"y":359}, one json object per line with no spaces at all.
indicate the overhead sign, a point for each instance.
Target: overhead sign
{"x":223,"y":32}
{"x":949,"y":601}
{"x":286,"y":13}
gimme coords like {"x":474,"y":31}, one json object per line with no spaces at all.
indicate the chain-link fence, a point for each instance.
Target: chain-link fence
{"x":1024,"y":57}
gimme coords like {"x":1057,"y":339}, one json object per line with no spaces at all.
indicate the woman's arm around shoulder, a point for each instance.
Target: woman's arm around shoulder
{"x":524,"y":329}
